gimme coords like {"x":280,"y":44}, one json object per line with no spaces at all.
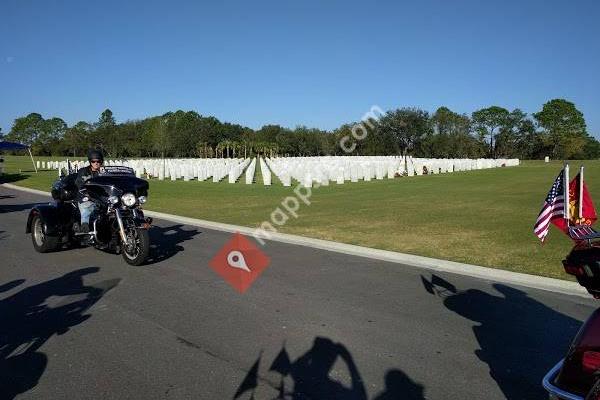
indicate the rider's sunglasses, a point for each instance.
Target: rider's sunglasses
{"x":95,"y":162}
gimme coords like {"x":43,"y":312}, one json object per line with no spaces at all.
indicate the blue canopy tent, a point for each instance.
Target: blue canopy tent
{"x":17,"y":146}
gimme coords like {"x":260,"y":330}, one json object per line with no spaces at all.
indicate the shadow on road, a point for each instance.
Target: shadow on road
{"x":165,"y":241}
{"x":33,"y":315}
{"x":520,"y":338}
{"x":310,"y":376}
{"x":8,"y":208}
{"x":11,"y":285}
{"x":9,"y":178}
{"x":399,"y":386}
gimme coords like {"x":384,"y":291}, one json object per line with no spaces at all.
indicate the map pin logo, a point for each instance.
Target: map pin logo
{"x":235,"y":259}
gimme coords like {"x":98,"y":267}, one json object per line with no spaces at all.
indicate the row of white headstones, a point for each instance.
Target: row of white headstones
{"x":308,"y":171}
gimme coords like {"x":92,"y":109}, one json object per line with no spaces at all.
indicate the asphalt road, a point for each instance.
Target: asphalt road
{"x":81,"y":324}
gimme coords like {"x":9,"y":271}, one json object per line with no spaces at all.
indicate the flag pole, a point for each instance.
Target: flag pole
{"x":566,"y":191}
{"x":581,"y":192}
{"x":33,"y":162}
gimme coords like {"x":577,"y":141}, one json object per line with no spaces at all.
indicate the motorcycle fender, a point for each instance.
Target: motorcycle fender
{"x":146,"y":223}
{"x":141,"y":221}
{"x":50,"y":216}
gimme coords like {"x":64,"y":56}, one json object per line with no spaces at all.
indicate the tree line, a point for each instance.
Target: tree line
{"x":558,"y":130}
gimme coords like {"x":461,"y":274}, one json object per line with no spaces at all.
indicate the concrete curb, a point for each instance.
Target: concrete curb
{"x":485,"y":273}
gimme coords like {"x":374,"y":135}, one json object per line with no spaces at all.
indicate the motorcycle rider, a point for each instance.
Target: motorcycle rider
{"x":86,"y":207}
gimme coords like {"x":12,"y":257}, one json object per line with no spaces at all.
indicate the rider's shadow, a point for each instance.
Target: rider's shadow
{"x":310,"y":374}
{"x":519,"y":338}
{"x":166,"y":241}
{"x":31,"y":316}
{"x":399,"y":386}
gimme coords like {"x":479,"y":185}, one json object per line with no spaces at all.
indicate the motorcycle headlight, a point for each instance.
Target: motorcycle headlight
{"x":142,"y":199}
{"x":113,"y":199}
{"x":128,"y":199}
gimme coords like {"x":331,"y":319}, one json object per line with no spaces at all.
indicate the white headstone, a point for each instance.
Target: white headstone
{"x":286,"y":179}
{"x":307,"y":181}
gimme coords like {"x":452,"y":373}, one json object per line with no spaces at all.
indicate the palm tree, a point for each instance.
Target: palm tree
{"x":235,"y":146}
{"x":221,"y":146}
{"x":273,"y":149}
{"x":226,"y":145}
{"x":256,"y":147}
{"x":201,"y":149}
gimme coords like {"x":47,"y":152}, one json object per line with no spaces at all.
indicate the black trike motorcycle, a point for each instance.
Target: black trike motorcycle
{"x":118,"y":222}
{"x":577,"y":375}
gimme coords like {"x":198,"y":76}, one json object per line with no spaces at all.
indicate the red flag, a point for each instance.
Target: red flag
{"x":578,"y":227}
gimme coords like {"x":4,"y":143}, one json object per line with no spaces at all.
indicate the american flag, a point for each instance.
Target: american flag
{"x":553,"y":207}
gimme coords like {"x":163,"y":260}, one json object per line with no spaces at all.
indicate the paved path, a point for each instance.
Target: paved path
{"x":81,"y":324}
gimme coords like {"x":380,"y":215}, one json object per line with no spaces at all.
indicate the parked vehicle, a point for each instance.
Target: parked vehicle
{"x":577,"y":375}
{"x":118,"y":222}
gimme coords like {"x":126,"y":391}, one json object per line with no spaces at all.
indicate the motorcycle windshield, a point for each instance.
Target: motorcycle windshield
{"x":116,"y":185}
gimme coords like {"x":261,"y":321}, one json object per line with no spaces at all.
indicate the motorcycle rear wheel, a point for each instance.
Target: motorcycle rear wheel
{"x":137,"y":254}
{"x":42,"y":243}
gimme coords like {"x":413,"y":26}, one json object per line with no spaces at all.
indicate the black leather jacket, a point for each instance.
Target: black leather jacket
{"x":83,"y":175}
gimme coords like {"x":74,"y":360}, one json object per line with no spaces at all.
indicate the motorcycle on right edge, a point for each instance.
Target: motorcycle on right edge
{"x":577,"y":375}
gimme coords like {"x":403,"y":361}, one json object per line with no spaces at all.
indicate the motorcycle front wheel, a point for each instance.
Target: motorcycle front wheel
{"x":136,"y":251}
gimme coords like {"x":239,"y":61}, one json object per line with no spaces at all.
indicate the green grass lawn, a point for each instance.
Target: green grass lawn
{"x":479,"y":217}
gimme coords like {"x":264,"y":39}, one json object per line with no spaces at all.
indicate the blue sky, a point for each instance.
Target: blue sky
{"x":316,"y":63}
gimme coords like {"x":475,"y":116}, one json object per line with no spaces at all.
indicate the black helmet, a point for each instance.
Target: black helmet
{"x":94,"y":154}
